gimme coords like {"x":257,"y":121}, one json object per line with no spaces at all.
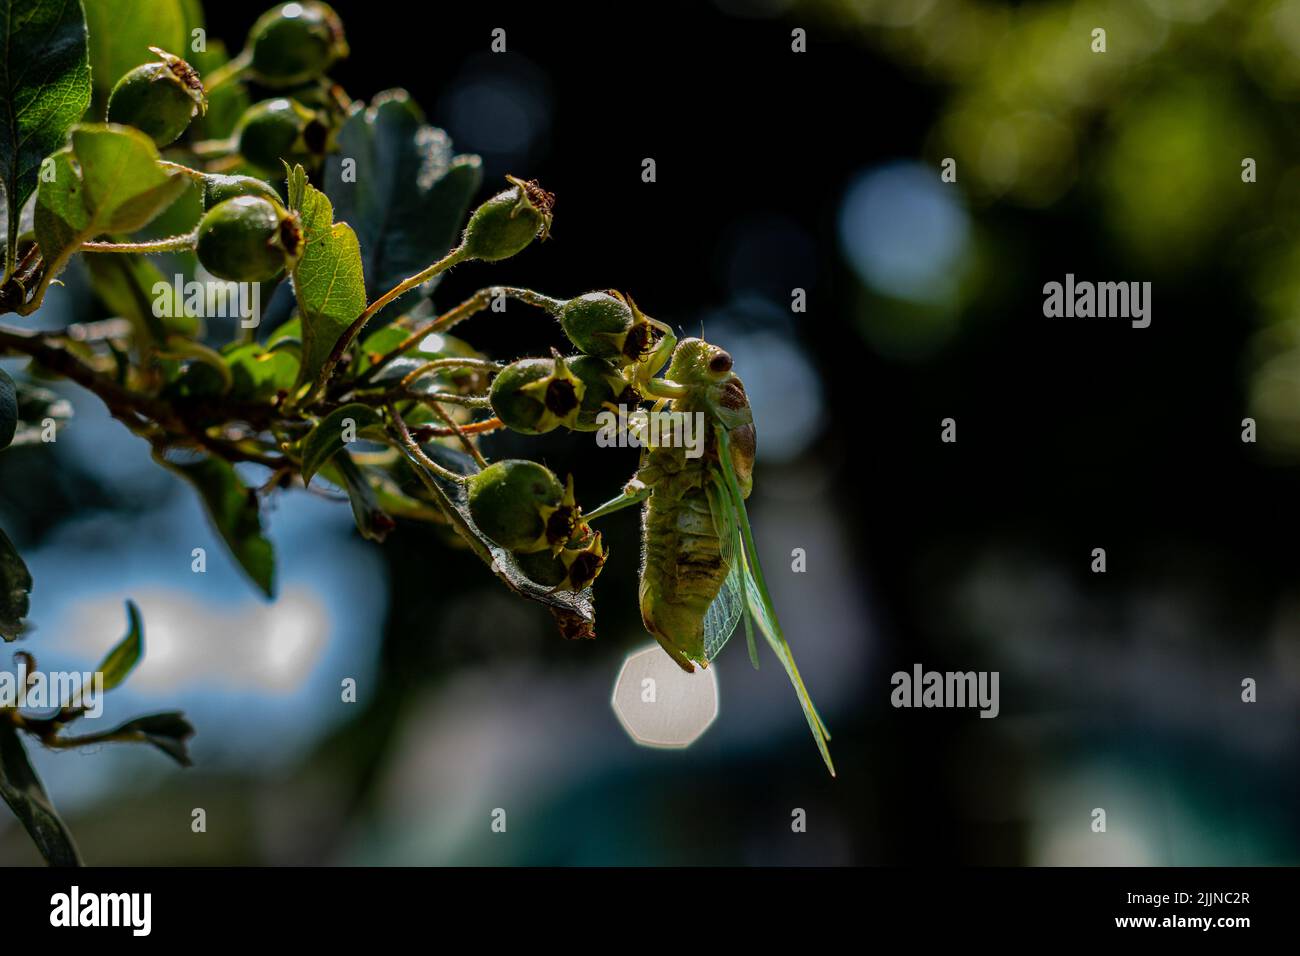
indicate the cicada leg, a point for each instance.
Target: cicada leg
{"x":634,"y":492}
{"x":659,"y":388}
{"x":648,"y":367}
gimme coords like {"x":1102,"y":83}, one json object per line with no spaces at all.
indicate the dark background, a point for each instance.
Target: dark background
{"x":1118,"y":690}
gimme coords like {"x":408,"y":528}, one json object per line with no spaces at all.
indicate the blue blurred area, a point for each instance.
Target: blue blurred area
{"x":905,"y":232}
{"x":261,"y":680}
{"x":499,"y":107}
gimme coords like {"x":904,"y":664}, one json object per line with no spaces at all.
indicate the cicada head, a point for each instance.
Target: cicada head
{"x":706,"y":367}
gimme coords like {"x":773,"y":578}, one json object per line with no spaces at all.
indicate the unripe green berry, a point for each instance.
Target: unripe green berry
{"x":296,"y":42}
{"x":248,"y":239}
{"x":607,"y":325}
{"x":218,"y":188}
{"x":536,"y":395}
{"x":522,"y":506}
{"x":280,"y":129}
{"x":159,"y":99}
{"x":506,"y":224}
{"x":542,"y":567}
{"x":602,"y":385}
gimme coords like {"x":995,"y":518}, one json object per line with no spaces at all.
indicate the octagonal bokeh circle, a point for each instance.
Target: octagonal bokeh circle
{"x":661,"y":705}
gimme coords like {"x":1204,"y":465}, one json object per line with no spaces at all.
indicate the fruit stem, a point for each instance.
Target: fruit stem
{"x":170,"y":244}
{"x":406,"y":285}
{"x":411,"y":445}
{"x":475,"y":304}
{"x":468,"y":445}
{"x":184,"y":170}
{"x":214,"y":148}
{"x":486,"y":365}
{"x":228,"y":71}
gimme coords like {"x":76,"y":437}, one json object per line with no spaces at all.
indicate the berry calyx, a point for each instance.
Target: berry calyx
{"x":575,"y":568}
{"x":603,"y":389}
{"x":536,"y":395}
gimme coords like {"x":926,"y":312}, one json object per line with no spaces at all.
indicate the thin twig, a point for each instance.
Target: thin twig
{"x":406,"y":285}
{"x":228,"y":71}
{"x":412,"y":446}
{"x":408,"y":395}
{"x":436,"y":364}
{"x":460,"y":433}
{"x":426,"y":432}
{"x":170,"y":244}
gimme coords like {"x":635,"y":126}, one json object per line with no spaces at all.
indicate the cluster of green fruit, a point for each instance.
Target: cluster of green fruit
{"x":289,"y":46}
{"x":246,"y":233}
{"x":522,"y":506}
{"x":537,"y":395}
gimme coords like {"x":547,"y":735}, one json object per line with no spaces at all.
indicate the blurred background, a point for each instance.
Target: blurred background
{"x":779,"y":171}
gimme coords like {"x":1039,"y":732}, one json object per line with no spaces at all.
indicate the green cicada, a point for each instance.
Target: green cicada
{"x":700,"y":574}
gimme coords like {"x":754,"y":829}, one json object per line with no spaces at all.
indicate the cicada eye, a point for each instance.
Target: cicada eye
{"x":721,"y":362}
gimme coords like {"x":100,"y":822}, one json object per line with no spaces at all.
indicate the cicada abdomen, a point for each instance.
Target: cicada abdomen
{"x":684,"y":561}
{"x":681,"y":571}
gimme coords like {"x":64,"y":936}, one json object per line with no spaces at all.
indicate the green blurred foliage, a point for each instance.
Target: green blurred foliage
{"x":1150,"y":135}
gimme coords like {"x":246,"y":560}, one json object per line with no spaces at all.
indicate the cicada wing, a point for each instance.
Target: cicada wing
{"x":729,"y":606}
{"x":723,"y":615}
{"x":758,"y":603}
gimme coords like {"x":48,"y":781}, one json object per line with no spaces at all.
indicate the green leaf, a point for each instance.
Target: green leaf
{"x":372,"y":521}
{"x":8,"y":409}
{"x":408,"y":199}
{"x":327,"y":439}
{"x":289,"y":332}
{"x":44,"y":89}
{"x":124,"y":185}
{"x":121,"y":32}
{"x":60,"y":219}
{"x":22,"y":790}
{"x":233,"y":509}
{"x":168,"y":732}
{"x":108,"y":181}
{"x":258,"y":373}
{"x":328,"y":279}
{"x":121,"y":660}
{"x":192,"y":11}
{"x":15,"y":586}
{"x":379,"y":343}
